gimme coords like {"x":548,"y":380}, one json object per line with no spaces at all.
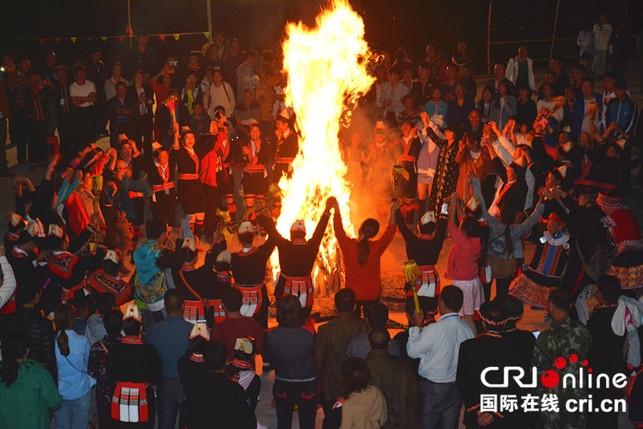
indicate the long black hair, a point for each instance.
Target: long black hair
{"x":508,"y":217}
{"x":369,"y":229}
{"x":15,"y":347}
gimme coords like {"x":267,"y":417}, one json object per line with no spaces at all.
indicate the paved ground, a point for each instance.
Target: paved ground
{"x":391,"y":262}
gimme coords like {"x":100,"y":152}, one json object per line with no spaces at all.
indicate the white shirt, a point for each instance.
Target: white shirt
{"x":220,"y":96}
{"x":8,"y":286}
{"x":76,"y":90}
{"x":110,"y":87}
{"x":602,"y":36}
{"x":395,"y":95}
{"x":438,"y":347}
{"x":558,"y":115}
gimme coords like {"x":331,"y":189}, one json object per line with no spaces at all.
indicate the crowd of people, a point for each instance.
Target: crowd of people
{"x":118,"y":312}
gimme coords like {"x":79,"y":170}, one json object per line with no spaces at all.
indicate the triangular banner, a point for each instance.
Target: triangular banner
{"x":57,"y":39}
{"x":176,"y":36}
{"x":73,"y":39}
{"x":130,"y":31}
{"x":42,"y":41}
{"x":162,"y":37}
{"x":206,"y":34}
{"x":104,"y":38}
{"x":121,"y":38}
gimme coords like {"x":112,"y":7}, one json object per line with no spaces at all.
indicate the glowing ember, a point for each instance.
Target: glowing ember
{"x":326,"y":68}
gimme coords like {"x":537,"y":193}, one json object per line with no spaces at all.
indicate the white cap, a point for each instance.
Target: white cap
{"x":110,"y":255}
{"x":246,"y":227}
{"x":245,"y":345}
{"x":298,"y":225}
{"x":156,"y":146}
{"x":132,"y":312}
{"x":190,"y":243}
{"x":55,"y":230}
{"x":428,"y":218}
{"x":200,"y":330}
{"x":224,"y":256}
{"x":16,"y":219}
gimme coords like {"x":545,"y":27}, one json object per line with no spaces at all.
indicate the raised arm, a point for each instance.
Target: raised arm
{"x":316,"y":239}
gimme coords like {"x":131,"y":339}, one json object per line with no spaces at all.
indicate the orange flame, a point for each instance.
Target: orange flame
{"x":326,"y":68}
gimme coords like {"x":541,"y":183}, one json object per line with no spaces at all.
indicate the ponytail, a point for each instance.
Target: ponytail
{"x":364,"y":251}
{"x":509,"y":244}
{"x":63,"y":342}
{"x":64,"y":316}
{"x":368,"y":230}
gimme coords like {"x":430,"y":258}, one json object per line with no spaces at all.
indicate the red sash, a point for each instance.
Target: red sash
{"x":252,"y":298}
{"x":301,"y":287}
{"x":129,"y":402}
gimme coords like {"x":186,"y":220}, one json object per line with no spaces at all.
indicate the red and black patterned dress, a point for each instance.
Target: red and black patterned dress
{"x":102,"y":282}
{"x":546,"y":270}
{"x":628,"y":265}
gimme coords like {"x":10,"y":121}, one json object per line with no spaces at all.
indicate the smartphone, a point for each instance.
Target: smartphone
{"x":445,"y":209}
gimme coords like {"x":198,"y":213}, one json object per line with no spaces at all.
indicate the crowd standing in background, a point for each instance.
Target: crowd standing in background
{"x":110,"y":318}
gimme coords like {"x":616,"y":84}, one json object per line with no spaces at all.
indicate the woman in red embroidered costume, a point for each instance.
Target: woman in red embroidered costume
{"x":160,"y":175}
{"x":133,"y":366}
{"x":255,"y":158}
{"x":107,"y":280}
{"x":625,"y":231}
{"x":190,"y":189}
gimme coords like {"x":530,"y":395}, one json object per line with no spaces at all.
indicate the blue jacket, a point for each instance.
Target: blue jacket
{"x":624,"y":113}
{"x":579,"y":113}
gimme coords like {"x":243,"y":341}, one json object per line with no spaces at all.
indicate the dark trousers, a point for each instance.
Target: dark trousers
{"x":37,"y":141}
{"x":213,"y":197}
{"x":365,"y":306}
{"x":3,"y":148}
{"x":165,"y":206}
{"x":66,"y":133}
{"x":19,"y":133}
{"x":303,"y":394}
{"x":332,"y":418}
{"x":104,"y":415}
{"x":441,"y":403}
{"x":85,"y":125}
{"x":169,"y":397}
{"x":141,"y":130}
